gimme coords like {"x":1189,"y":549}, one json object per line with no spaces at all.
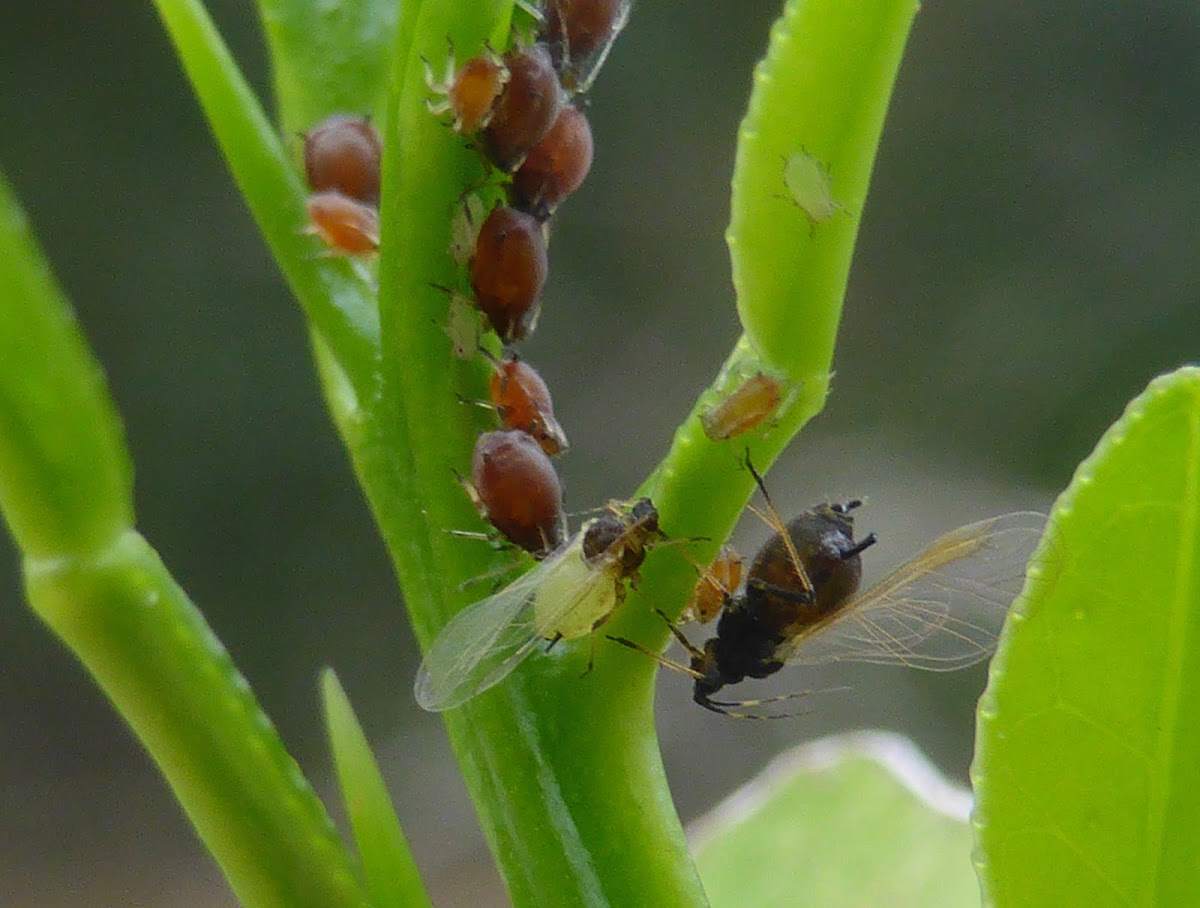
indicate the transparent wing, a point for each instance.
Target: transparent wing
{"x":940,"y":611}
{"x":484,"y":643}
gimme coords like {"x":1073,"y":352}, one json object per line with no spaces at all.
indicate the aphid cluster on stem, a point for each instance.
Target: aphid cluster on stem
{"x":516,"y":108}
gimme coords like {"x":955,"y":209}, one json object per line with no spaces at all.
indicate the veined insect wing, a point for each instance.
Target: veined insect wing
{"x":485,"y":642}
{"x":940,"y":611}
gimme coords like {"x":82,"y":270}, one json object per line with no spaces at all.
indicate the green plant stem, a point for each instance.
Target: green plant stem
{"x":158,"y":662}
{"x":65,"y":491}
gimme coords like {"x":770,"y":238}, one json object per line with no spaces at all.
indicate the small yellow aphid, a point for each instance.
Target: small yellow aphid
{"x":753,"y":401}
{"x":347,"y":227}
{"x":470,"y":92}
{"x":808,"y":185}
{"x":568,"y":595}
{"x":715,"y":587}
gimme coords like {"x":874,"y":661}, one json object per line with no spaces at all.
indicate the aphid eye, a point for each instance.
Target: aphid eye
{"x":526,"y":109}
{"x":508,"y":271}
{"x":556,"y":166}
{"x":518,"y":490}
{"x":343,"y":154}
{"x":347,"y":227}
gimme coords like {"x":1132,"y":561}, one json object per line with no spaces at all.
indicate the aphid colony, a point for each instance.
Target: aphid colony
{"x":799,"y":600}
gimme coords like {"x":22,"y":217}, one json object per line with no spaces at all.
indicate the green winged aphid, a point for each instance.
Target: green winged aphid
{"x":568,"y":595}
{"x":809,"y":187}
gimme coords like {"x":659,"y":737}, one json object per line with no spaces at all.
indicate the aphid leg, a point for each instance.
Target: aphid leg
{"x":692,"y":649}
{"x":657,"y":657}
{"x":553,"y":641}
{"x":776,"y":523}
{"x":591,"y":653}
{"x":803,"y":597}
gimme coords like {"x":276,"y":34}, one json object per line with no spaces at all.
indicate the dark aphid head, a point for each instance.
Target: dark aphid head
{"x":343,"y":154}
{"x":625,"y":532}
{"x":526,"y":109}
{"x":508,"y":271}
{"x":518,"y":490}
{"x":556,"y":166}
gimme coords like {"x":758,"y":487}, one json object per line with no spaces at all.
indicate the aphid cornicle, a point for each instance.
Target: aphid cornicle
{"x":508,"y":270}
{"x":516,"y":489}
{"x":347,"y":227}
{"x":567,"y":596}
{"x":940,"y":611}
{"x":343,"y":154}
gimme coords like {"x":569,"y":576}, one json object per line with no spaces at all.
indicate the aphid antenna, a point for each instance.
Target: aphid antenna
{"x":776,"y":523}
{"x":475,"y":402}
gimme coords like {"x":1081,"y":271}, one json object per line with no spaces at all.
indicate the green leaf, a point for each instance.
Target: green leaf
{"x":388,"y":865}
{"x":65,"y":476}
{"x":1089,"y":731}
{"x":861,"y":820}
{"x":336,"y":293}
{"x":328,"y":57}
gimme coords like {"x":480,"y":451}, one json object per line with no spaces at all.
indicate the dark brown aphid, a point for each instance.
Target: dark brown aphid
{"x":753,"y":401}
{"x":343,"y":154}
{"x":800,"y":577}
{"x":508,"y":271}
{"x":470,"y":92}
{"x":556,"y":166}
{"x":347,"y":227}
{"x":580,"y":33}
{"x":714,"y":588}
{"x":939,"y":611}
{"x":517,"y":490}
{"x":523,"y":401}
{"x":526,"y":109}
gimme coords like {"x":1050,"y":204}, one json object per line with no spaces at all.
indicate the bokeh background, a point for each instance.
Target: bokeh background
{"x":1027,"y":263}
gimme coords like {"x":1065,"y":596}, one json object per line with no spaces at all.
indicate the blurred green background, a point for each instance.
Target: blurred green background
{"x":1026,"y":264}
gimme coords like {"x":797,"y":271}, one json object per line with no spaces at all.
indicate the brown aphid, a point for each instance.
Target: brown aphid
{"x":517,"y":490}
{"x":580,"y":33}
{"x":523,"y":401}
{"x":347,"y":227}
{"x":556,"y":166}
{"x":343,"y":154}
{"x":470,"y":91}
{"x":715,"y":587}
{"x":526,"y":109}
{"x":755,"y":400}
{"x":508,"y":271}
